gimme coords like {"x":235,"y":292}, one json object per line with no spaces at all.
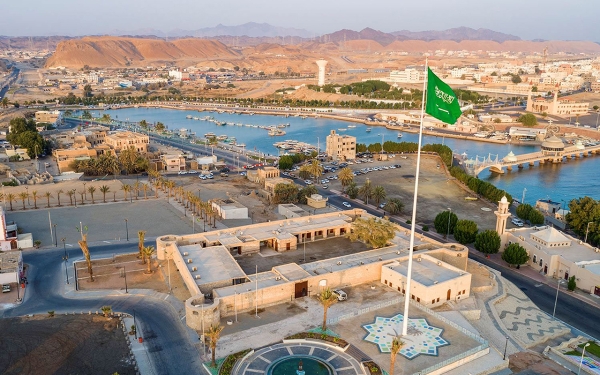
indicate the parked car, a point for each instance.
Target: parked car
{"x":5,"y":288}
{"x":518,"y":222}
{"x":182,"y":172}
{"x":341,"y":295}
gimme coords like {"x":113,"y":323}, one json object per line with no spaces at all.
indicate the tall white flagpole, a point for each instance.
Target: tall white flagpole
{"x":407,"y":294}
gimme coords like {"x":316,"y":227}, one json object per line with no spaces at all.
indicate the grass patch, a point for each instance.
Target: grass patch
{"x":374,"y":368}
{"x":328,"y":332}
{"x":214,"y":370}
{"x":230,"y":361}
{"x":592,"y":349}
{"x":573,"y":352}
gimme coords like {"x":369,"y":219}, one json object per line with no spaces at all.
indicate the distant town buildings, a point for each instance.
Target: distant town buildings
{"x":48,"y":117}
{"x":556,"y":107}
{"x":121,"y":140}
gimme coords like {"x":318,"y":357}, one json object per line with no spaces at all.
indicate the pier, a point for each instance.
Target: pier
{"x":552,"y":150}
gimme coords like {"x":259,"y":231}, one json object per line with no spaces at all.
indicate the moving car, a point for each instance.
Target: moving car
{"x":346,"y":204}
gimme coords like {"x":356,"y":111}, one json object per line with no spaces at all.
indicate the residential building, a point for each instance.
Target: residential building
{"x":64,"y":157}
{"x":49,"y":117}
{"x":121,"y":140}
{"x":407,"y":75}
{"x":173,"y":163}
{"x":340,"y":147}
{"x":8,"y":233}
{"x":316,"y":201}
{"x":11,"y":267}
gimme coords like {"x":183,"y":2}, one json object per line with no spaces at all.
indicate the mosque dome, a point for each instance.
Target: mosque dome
{"x":553,"y":144}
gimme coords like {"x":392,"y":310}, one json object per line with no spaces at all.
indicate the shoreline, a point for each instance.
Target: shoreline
{"x":316,"y":114}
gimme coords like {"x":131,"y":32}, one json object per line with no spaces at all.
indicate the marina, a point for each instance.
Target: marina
{"x":564,"y":181}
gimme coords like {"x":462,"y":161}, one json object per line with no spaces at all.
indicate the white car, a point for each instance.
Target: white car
{"x":192,"y":171}
{"x":182,"y":172}
{"x":346,"y":204}
{"x":340,"y":294}
{"x":517,"y":222}
{"x":202,"y":177}
{"x":308,"y":182}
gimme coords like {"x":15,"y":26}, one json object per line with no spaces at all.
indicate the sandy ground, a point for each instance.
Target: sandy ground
{"x":75,"y":344}
{"x":108,"y":274}
{"x":534,"y":363}
{"x":437,"y":190}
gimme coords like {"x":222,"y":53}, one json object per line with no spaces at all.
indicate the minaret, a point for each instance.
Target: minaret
{"x":555,"y":103}
{"x":501,"y":216}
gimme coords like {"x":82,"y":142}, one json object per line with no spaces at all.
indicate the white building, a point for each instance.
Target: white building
{"x":11,"y":266}
{"x":230,"y":209}
{"x":407,"y":75}
{"x":178,"y":76}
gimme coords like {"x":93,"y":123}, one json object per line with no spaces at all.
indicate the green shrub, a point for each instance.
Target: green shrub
{"x":572,"y":284}
{"x":465,"y":231}
{"x":425,"y":228}
{"x":488,"y":242}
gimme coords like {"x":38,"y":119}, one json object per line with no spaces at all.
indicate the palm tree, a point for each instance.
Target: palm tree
{"x":378,"y":194}
{"x":214,"y":334}
{"x":145,"y":190}
{"x":374,"y":231}
{"x":326,"y":298}
{"x":394,"y":206}
{"x":316,"y":169}
{"x":48,"y":196}
{"x":126,"y":189}
{"x":366,"y":191}
{"x":104,"y":189}
{"x":170,"y":185}
{"x":346,"y":176}
{"x":106,"y":310}
{"x":397,"y":344}
{"x":304,"y":172}
{"x":141,"y":235}
{"x":157,"y":185}
{"x":58,"y":193}
{"x":148,"y":251}
{"x":34,"y":196}
{"x":136,"y":189}
{"x":82,"y":195}
{"x":11,"y":197}
{"x":92,"y":190}
{"x":70,"y":193}
{"x":352,"y":190}
{"x":4,"y":102}
{"x":23,"y":195}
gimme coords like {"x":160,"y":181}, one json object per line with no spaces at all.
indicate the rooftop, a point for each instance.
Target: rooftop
{"x":428,"y":271}
{"x":213,"y":264}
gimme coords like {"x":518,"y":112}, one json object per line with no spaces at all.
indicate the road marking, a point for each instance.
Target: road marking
{"x":183,"y":317}
{"x":538,"y":285}
{"x":106,"y":241}
{"x":68,"y":244}
{"x":167,"y":296}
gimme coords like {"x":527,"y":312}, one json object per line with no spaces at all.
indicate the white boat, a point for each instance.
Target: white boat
{"x":210,"y":135}
{"x":351,"y":126}
{"x":368,"y":130}
{"x":342,"y":129}
{"x":189,"y":117}
{"x":399,"y":135}
{"x":196,"y":118}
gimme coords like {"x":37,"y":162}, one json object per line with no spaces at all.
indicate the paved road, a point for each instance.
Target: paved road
{"x":166,"y":339}
{"x":583,"y":316}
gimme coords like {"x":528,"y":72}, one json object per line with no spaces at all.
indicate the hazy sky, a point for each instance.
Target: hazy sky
{"x":528,"y":19}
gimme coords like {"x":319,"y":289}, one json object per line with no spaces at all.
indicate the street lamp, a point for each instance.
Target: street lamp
{"x":125,"y":275}
{"x":75,"y":195}
{"x":84,"y":193}
{"x":27,"y":189}
{"x":65,"y":257}
{"x":193,"y":223}
{"x":127,"y":229}
{"x":55,"y":236}
{"x":587,"y":231}
{"x":505,"y":346}
{"x":449,"y":216}
{"x":582,"y":354}
{"x":556,"y":299}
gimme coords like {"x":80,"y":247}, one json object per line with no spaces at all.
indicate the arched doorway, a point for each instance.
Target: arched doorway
{"x":448,"y":294}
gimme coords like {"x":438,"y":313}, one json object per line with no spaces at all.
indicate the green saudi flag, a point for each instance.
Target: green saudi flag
{"x":442,"y":103}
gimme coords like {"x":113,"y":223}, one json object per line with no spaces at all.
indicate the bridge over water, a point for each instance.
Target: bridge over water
{"x":548,"y":155}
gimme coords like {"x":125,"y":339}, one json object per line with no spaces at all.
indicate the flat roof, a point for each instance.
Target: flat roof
{"x":292,"y":272}
{"x":575,"y":252}
{"x":213,"y":263}
{"x":425,"y":272}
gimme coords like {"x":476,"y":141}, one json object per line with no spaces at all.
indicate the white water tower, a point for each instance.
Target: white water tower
{"x":321,"y":64}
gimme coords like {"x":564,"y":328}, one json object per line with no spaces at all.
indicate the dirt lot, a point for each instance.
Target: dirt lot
{"x":76,"y":344}
{"x":529,"y":363}
{"x":437,"y":190}
{"x":108,"y":274}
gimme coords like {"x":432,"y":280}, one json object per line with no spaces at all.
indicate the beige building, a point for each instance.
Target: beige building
{"x":260,"y":175}
{"x":553,"y":253}
{"x":64,"y":157}
{"x":230,"y":209}
{"x":50,"y":117}
{"x":556,"y":107}
{"x":11,"y":266}
{"x":340,"y":147}
{"x":125,"y":139}
{"x":433,"y":281}
{"x":173,"y":163}
{"x":316,"y":201}
{"x":207,"y":264}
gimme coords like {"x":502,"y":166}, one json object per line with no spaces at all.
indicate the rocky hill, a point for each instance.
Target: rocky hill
{"x":118,"y":52}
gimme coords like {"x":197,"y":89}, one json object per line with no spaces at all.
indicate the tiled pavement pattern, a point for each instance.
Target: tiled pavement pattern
{"x":259,"y":362}
{"x":524,"y":321}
